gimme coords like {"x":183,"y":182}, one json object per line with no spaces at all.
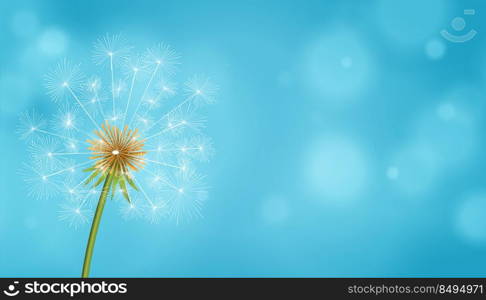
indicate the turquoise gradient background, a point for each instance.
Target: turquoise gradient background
{"x":348,"y":138}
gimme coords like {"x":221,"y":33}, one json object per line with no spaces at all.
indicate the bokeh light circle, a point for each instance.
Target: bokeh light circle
{"x":392,"y":172}
{"x":336,"y":169}
{"x":53,"y":42}
{"x":435,"y":49}
{"x":338,"y":65}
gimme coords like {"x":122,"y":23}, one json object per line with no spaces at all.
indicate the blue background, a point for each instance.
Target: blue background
{"x":348,"y":138}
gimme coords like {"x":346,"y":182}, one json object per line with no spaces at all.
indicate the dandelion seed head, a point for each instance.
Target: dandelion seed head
{"x":128,"y":121}
{"x":119,"y":151}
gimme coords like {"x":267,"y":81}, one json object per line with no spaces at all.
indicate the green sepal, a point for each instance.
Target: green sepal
{"x":119,"y":180}
{"x":130,"y":182}
{"x":113,"y":186}
{"x":92,"y":176}
{"x":89,"y":169}
{"x":100,"y":180}
{"x":123,"y":187}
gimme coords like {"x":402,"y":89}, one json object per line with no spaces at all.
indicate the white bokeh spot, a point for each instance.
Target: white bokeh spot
{"x":338,"y":65}
{"x":53,"y":41}
{"x":336,"y":169}
{"x":435,"y":49}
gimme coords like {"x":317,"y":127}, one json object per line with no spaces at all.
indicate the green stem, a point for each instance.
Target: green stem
{"x":95,"y":225}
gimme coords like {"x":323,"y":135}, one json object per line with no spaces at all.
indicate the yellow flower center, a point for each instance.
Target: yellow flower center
{"x":117,"y":150}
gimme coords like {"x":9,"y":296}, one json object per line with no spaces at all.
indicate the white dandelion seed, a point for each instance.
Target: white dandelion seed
{"x":179,"y":121}
{"x":166,"y":88}
{"x":66,"y":120}
{"x":162,"y":57}
{"x":198,"y":147}
{"x":30,"y":123}
{"x":43,"y":151}
{"x":202,"y":89}
{"x":110,"y":48}
{"x":133,"y":66}
{"x":75,"y":214}
{"x":186,"y":195}
{"x":38,"y":182}
{"x":63,"y":80}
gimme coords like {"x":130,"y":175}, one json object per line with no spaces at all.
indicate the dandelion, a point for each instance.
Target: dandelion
{"x":123,"y":133}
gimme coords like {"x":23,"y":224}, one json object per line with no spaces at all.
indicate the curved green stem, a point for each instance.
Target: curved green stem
{"x":95,"y":225}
